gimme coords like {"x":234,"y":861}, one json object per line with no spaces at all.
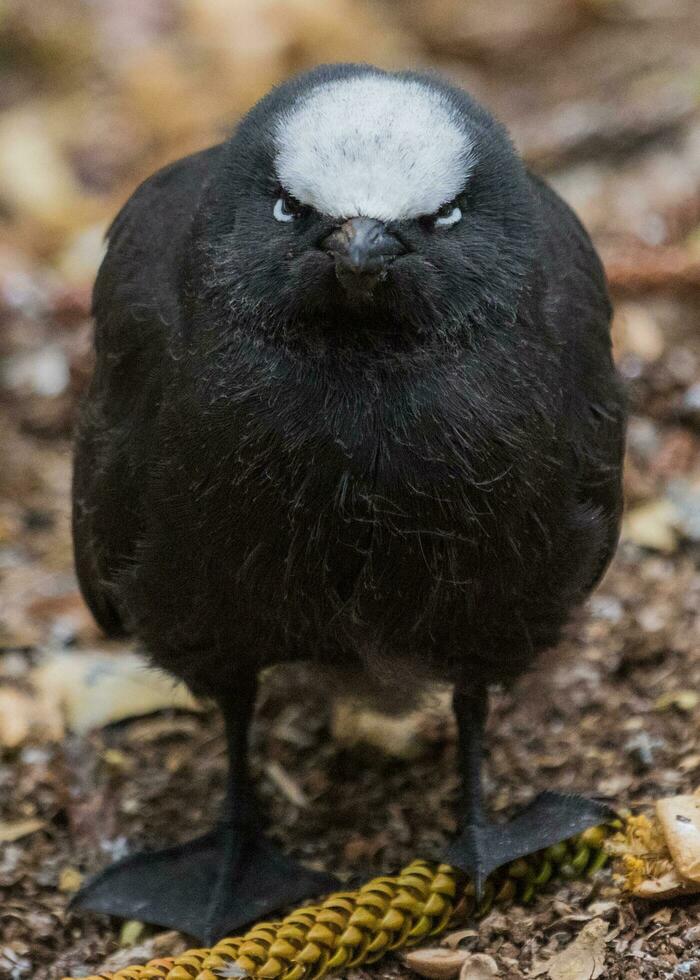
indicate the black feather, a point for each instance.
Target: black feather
{"x":418,"y":481}
{"x":264,"y":474}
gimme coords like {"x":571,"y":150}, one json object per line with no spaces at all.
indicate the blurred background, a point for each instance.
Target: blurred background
{"x":601,"y":96}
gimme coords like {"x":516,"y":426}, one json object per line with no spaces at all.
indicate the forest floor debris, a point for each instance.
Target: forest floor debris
{"x":604,"y":98}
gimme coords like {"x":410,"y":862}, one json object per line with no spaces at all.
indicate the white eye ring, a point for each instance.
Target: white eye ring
{"x":445,"y":220}
{"x":280,"y":213}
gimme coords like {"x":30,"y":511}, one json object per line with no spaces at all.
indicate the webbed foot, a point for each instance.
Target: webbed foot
{"x":482,"y":847}
{"x":206,"y":887}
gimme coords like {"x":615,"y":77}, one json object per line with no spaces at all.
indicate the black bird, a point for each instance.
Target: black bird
{"x":354,"y":403}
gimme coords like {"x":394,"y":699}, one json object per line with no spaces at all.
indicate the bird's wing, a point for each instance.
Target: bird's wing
{"x":136,"y":305}
{"x":579,"y":312}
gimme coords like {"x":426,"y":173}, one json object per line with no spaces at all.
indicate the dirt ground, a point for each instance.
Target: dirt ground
{"x":603,"y":96}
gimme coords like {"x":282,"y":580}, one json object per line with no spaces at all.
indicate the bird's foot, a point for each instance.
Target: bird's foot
{"x":552,"y":817}
{"x":206,"y":887}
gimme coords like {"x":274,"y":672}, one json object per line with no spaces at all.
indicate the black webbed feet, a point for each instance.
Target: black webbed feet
{"x":206,"y":887}
{"x":482,"y":847}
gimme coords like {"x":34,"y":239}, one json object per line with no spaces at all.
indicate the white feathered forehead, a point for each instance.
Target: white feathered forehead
{"x":373,"y":145}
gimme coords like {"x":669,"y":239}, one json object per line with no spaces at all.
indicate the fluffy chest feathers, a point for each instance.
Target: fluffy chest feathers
{"x":360,"y":476}
{"x":388,"y":511}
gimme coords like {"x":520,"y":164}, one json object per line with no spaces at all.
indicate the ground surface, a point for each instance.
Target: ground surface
{"x":603,"y":97}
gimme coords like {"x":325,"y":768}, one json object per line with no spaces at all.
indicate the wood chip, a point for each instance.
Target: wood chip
{"x":679,"y":817}
{"x":13,"y":830}
{"x":288,"y":786}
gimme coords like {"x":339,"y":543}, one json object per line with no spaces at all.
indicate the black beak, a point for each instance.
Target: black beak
{"x":363,"y":250}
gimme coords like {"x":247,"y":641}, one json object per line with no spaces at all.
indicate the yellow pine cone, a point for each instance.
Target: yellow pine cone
{"x":358,"y":927}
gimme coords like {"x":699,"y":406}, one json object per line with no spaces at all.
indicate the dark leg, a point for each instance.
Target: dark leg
{"x":218,"y":882}
{"x":468,"y":850}
{"x":480,"y":846}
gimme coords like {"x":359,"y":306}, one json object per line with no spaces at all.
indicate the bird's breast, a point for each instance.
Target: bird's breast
{"x":342,"y":518}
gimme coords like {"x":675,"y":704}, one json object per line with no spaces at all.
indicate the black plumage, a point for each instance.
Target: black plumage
{"x":403,"y":459}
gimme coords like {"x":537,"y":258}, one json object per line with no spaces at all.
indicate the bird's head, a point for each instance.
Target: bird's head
{"x":353,"y":200}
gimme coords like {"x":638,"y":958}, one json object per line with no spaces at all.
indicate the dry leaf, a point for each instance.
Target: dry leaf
{"x":435,"y":962}
{"x":684,"y":494}
{"x":81,"y":690}
{"x":94,"y":688}
{"x":636,"y":331}
{"x":353,"y":725}
{"x":583,"y":959}
{"x":652,"y":525}
{"x":665,"y":886}
{"x":684,"y":700}
{"x":479,"y":966}
{"x":36,"y":178}
{"x":17,"y":716}
{"x":400,"y":736}
{"x":163,"y":944}
{"x":13,"y":830}
{"x":599,"y":908}
{"x":80,"y":258}
{"x":43,"y":371}
{"x":23,"y":717}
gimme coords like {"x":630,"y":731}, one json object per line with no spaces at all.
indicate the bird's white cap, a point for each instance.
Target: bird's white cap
{"x":376,"y":145}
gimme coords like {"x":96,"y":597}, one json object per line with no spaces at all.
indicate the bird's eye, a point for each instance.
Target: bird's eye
{"x":448,"y":214}
{"x":286,"y":208}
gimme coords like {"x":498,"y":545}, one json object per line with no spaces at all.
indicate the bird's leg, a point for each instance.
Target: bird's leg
{"x":239,"y":811}
{"x":467,"y":851}
{"x":480,"y":846}
{"x":254,"y":878}
{"x":220,"y":881}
